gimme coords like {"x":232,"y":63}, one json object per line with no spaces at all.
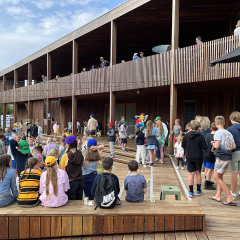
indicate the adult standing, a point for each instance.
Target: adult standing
{"x":199,"y":40}
{"x":70,"y":126}
{"x":34,"y":132}
{"x":237,"y":29}
{"x":104,"y":63}
{"x":28,"y":125}
{"x":92,"y":125}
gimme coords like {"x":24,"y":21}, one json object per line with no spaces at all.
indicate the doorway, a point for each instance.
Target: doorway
{"x":189,"y":112}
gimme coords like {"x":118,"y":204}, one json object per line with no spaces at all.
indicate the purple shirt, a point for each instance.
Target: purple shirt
{"x":48,"y":148}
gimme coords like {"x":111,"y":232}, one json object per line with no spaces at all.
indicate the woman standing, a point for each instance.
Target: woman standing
{"x":8,"y":188}
{"x":151,"y":133}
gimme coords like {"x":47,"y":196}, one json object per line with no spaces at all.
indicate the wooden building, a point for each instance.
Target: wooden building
{"x":178,"y":83}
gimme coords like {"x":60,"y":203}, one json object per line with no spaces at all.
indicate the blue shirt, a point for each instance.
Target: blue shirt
{"x":70,"y":126}
{"x":235,"y":131}
{"x":136,"y":58}
{"x":9,"y":183}
{"x":134,"y":185}
{"x":89,"y":168}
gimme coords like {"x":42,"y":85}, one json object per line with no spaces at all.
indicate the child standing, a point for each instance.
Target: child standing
{"x":179,"y":151}
{"x":209,"y":159}
{"x":2,"y":145}
{"x":141,"y":151}
{"x":90,"y":166}
{"x":29,"y":181}
{"x":30,"y":142}
{"x":123,"y":135}
{"x":135,"y":184}
{"x":224,"y":144}
{"x":8,"y":136}
{"x":8,"y":188}
{"x":177,"y":130}
{"x":193,"y":144}
{"x":111,"y":139}
{"x":54,"y":184}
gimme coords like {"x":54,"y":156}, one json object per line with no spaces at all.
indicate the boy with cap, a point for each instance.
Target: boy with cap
{"x":141,"y":151}
{"x":123,"y":135}
{"x":111,"y":139}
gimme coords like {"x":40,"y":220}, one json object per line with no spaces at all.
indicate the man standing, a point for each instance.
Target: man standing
{"x":141,"y":54}
{"x":199,"y":40}
{"x":104,"y":63}
{"x":92,"y":125}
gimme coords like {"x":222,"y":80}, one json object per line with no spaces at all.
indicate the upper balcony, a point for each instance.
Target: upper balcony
{"x":191,"y":65}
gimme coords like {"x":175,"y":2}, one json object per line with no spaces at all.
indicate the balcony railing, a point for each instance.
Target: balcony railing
{"x":191,"y":65}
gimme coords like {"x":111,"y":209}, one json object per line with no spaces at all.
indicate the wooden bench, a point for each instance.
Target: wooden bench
{"x":77,"y":219}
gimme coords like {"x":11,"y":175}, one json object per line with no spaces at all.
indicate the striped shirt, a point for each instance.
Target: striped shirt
{"x":29,"y":187}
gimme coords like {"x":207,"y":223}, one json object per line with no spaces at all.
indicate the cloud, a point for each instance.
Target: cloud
{"x":15,"y":11}
{"x":44,"y":4}
{"x":14,"y":2}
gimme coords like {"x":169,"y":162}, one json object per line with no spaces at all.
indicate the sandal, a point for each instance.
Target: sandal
{"x":214,"y":199}
{"x":229,"y":203}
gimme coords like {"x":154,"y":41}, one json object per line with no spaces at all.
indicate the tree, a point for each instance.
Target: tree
{"x":9,"y":109}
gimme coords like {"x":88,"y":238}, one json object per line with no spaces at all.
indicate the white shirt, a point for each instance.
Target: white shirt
{"x":165,"y":129}
{"x":237,"y":31}
{"x":78,"y":124}
{"x":55,"y":127}
{"x":179,"y":148}
{"x":39,"y":130}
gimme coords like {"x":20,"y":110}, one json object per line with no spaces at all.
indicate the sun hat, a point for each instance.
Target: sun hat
{"x":157,"y":118}
{"x":92,"y":142}
{"x":124,"y":122}
{"x":139,"y":125}
{"x":50,"y":160}
{"x":70,"y":139}
{"x":110,"y":124}
{"x":138,"y":120}
{"x":24,"y":147}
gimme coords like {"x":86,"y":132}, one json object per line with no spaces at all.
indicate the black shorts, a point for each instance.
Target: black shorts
{"x":92,"y":132}
{"x":124,"y":140}
{"x":194,"y":166}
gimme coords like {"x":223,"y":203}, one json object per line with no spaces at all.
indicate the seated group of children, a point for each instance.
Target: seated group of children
{"x":58,"y":184}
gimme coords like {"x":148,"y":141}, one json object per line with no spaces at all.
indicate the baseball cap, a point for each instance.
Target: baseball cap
{"x":157,"y":118}
{"x":124,"y":122}
{"x":138,"y":120}
{"x":139,"y":125}
{"x":24,"y":147}
{"x":50,"y":160}
{"x":70,"y":139}
{"x":92,"y":142}
{"x":91,"y":115}
{"x":110,"y":124}
{"x":15,"y":124}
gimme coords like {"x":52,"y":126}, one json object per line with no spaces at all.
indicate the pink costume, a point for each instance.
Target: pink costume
{"x":63,"y":186}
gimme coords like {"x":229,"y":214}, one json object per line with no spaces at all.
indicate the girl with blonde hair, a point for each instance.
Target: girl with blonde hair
{"x":151,"y":133}
{"x":204,"y":125}
{"x":54,"y":184}
{"x":179,"y":151}
{"x":160,"y":138}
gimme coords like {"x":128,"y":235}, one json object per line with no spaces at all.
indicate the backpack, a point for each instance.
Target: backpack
{"x":106,"y":191}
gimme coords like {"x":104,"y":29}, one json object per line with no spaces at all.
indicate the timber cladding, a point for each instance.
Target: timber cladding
{"x":75,"y":219}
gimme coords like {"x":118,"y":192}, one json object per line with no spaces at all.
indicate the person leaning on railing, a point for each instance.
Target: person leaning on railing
{"x":237,"y":29}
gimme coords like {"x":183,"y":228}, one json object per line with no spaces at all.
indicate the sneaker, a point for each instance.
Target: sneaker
{"x":199,"y":193}
{"x":150,"y":164}
{"x":211,"y":183}
{"x":144,"y":165}
{"x":182,"y":168}
{"x":177,"y":167}
{"x":190,"y":194}
{"x":209,"y":187}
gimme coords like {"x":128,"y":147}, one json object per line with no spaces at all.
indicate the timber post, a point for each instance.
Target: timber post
{"x":15,"y":92}
{"x":49,"y":77}
{"x":113,"y":61}
{"x":29,"y":115}
{"x":74,"y":97}
{"x":4,"y":104}
{"x":173,"y":88}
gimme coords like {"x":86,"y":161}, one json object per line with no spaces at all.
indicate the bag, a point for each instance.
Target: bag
{"x":106,"y":191}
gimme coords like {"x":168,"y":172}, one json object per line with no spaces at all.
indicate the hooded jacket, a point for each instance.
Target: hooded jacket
{"x":235,"y":131}
{"x":193,"y":144}
{"x":74,"y":165}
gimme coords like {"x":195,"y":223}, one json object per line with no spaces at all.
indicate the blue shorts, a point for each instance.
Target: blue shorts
{"x":14,"y":165}
{"x":208,"y":165}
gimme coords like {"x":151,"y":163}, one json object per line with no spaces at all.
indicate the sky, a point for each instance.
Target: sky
{"x":26,"y":26}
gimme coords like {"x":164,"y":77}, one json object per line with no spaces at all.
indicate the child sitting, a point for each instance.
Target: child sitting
{"x":8,"y":188}
{"x":54,"y":152}
{"x":61,"y":148}
{"x":107,"y":164}
{"x":179,"y":151}
{"x":31,"y":146}
{"x":194,"y":143}
{"x":90,"y":166}
{"x":54,"y":184}
{"x":29,"y":184}
{"x":135,"y":184}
